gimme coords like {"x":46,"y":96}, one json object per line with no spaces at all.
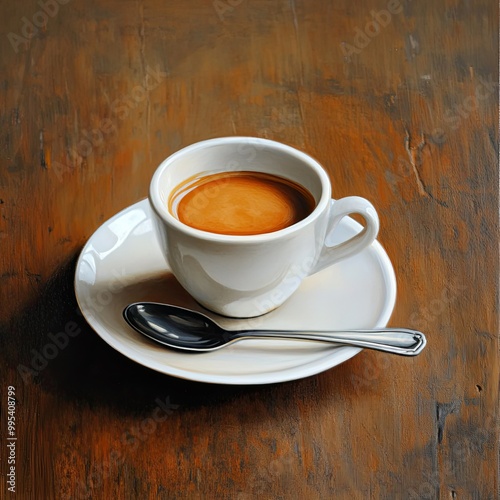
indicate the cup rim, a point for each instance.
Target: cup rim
{"x":162,"y":210}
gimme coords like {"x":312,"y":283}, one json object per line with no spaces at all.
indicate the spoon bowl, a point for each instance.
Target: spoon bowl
{"x":191,"y":331}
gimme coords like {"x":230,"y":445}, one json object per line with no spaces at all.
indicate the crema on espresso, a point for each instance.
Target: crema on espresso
{"x":240,"y":203}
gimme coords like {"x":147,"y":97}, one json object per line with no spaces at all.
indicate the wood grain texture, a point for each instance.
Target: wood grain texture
{"x":406,"y":115}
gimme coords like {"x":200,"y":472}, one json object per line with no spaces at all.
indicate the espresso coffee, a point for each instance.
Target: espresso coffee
{"x":240,"y":203}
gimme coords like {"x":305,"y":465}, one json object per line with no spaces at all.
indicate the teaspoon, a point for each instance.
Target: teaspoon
{"x":187,"y":330}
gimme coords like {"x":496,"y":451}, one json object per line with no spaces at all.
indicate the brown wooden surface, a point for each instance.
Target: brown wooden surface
{"x":409,"y":121}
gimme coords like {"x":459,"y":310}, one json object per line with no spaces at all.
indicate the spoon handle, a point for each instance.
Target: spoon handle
{"x":400,"y":341}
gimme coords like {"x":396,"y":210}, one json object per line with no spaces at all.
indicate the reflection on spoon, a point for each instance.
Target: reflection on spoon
{"x":192,"y":331}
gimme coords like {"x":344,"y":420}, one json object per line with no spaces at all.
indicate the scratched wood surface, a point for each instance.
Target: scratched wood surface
{"x":399,"y":101}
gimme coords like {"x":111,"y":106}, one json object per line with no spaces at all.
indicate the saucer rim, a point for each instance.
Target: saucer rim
{"x":268,"y":377}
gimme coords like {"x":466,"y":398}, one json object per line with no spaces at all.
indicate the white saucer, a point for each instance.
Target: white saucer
{"x":122,"y":263}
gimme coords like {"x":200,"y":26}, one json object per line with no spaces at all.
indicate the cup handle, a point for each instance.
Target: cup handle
{"x":339,"y":209}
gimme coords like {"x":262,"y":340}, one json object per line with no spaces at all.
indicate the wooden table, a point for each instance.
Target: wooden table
{"x":397,"y":98}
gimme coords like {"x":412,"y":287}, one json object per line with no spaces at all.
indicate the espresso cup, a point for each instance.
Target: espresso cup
{"x":247,"y":275}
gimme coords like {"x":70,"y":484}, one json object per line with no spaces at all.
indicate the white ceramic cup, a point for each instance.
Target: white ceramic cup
{"x":246,"y":276}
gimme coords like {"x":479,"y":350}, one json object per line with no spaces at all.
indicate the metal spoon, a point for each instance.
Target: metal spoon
{"x":188,"y":330}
